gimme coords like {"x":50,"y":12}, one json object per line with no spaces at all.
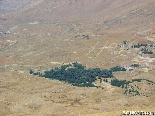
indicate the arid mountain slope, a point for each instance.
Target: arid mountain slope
{"x":42,"y":34}
{"x":125,"y":16}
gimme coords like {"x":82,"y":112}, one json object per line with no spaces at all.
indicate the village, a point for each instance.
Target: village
{"x":140,"y":54}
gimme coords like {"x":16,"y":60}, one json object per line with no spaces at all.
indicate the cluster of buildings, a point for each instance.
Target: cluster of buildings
{"x":138,"y":65}
{"x":123,"y":43}
{"x":141,"y":62}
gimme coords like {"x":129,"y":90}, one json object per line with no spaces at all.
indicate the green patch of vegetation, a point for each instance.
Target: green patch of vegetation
{"x":118,"y":83}
{"x":149,"y":81}
{"x":136,"y":46}
{"x":117,"y":68}
{"x":129,"y":89}
{"x":146,"y":51}
{"x":139,"y":45}
{"x":138,"y":80}
{"x":135,"y":65}
{"x":76,"y":74}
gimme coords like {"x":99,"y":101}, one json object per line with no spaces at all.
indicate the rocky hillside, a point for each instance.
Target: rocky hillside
{"x":117,"y":16}
{"x":40,"y":35}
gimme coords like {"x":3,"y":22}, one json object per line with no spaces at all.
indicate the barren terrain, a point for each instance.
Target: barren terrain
{"x":41,"y":34}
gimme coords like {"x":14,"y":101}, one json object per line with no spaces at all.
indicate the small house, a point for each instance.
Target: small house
{"x":128,"y":67}
{"x":125,"y":42}
{"x":142,"y":64}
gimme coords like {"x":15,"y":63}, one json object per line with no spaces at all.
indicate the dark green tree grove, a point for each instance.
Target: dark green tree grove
{"x":76,"y":74}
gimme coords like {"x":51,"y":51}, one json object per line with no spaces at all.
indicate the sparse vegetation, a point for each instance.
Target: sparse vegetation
{"x":138,"y":80}
{"x":136,"y":46}
{"x":146,"y":51}
{"x":135,"y":65}
{"x":139,"y":45}
{"x":129,"y":89}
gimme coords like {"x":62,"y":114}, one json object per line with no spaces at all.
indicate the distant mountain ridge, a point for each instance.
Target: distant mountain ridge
{"x":126,"y":15}
{"x":134,"y":16}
